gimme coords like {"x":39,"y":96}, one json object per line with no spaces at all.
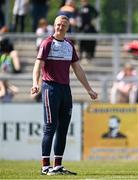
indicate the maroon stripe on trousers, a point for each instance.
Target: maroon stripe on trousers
{"x":47,"y":105}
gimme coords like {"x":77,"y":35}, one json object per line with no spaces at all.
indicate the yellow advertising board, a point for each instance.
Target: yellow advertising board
{"x":110,"y":131}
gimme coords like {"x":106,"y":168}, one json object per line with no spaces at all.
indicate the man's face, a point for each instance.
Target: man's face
{"x":128,"y":71}
{"x":113,"y":123}
{"x":61,"y":25}
{"x":84,"y":2}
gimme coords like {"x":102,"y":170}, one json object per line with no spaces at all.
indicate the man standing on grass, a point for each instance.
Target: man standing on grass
{"x":56,"y":54}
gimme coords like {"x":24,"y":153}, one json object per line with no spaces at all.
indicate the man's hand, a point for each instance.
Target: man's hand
{"x":34,"y":90}
{"x":93,"y":94}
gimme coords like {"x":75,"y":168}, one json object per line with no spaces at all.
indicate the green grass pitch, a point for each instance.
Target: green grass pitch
{"x":102,"y":170}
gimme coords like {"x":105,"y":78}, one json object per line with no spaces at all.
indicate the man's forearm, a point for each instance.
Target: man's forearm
{"x":36,"y":73}
{"x":36,"y":76}
{"x":82,"y":78}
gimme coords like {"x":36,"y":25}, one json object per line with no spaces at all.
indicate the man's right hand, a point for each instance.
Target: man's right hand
{"x":34,"y":90}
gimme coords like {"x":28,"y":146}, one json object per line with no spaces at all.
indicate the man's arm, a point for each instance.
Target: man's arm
{"x":36,"y":76}
{"x":82,"y":78}
{"x":2,"y":89}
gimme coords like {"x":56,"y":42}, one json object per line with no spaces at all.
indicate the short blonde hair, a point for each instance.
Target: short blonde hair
{"x":61,"y":17}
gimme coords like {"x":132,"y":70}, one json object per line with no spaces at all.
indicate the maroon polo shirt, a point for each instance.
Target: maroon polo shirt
{"x":58,"y":56}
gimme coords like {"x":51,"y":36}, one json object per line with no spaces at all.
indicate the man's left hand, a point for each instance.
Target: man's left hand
{"x":93,"y":94}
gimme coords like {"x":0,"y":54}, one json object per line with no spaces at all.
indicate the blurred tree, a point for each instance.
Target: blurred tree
{"x":135,"y":16}
{"x":113,"y":16}
{"x":53,"y":9}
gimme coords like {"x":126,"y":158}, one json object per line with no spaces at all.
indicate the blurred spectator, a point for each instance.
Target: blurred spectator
{"x":87,"y":13}
{"x":4,"y":29}
{"x":42,"y":30}
{"x":39,"y":10}
{"x":62,"y":3}
{"x":7,"y":91}
{"x":125,"y":90}
{"x":9,"y":59}
{"x":132,"y":47}
{"x":20,"y":10}
{"x":2,"y":17}
{"x":70,"y":10}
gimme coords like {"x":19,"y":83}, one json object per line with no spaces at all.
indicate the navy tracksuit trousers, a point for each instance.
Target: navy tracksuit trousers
{"x":57,"y":102}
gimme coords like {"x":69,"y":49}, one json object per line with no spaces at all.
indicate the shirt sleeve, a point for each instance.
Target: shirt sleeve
{"x":44,"y":50}
{"x":74,"y":56}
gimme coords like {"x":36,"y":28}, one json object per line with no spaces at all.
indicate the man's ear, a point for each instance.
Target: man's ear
{"x":68,"y":27}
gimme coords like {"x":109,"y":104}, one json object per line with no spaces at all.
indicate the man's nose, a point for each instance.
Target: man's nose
{"x":60,"y":27}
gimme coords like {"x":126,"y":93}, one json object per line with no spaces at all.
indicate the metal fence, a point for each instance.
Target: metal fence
{"x":109,"y":51}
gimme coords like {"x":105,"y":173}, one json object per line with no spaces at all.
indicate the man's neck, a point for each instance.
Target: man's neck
{"x":58,"y":37}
